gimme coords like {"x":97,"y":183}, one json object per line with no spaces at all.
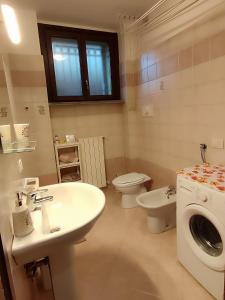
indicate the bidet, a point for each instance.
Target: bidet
{"x":160,"y":205}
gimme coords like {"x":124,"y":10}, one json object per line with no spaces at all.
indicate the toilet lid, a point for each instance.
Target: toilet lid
{"x":129,"y":178}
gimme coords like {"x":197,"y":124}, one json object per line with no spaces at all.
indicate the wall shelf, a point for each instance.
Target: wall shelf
{"x":15,"y":147}
{"x":69,"y":165}
{"x":64,"y":146}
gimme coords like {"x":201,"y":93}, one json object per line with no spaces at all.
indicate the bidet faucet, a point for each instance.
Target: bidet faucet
{"x":171,"y":191}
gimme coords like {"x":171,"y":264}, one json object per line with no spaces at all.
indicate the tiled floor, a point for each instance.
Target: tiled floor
{"x":122,"y":260}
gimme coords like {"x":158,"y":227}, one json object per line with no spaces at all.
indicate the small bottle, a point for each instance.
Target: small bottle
{"x":22,"y":222}
{"x":56,"y":139}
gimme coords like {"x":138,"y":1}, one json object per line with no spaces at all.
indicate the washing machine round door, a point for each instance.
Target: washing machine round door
{"x":205,"y":235}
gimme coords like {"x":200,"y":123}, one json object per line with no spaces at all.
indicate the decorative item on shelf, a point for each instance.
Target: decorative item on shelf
{"x":56,"y":139}
{"x":5,"y":134}
{"x":70,"y":139}
{"x":22,"y":135}
{"x":13,"y":147}
{"x":22,"y":144}
{"x":62,"y":140}
{"x":68,"y":158}
{"x":3,"y":112}
{"x":71,"y":177}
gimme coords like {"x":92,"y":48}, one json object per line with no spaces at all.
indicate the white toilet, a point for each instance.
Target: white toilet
{"x":161,"y":208}
{"x":130,"y":185}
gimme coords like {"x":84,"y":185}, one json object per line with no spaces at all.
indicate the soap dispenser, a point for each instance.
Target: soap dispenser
{"x":22,"y":222}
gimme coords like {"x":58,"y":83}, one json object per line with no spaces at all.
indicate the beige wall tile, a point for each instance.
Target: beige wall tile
{"x":2,"y":79}
{"x":188,"y":100}
{"x":21,"y":62}
{"x":92,"y":120}
{"x":167,"y":66}
{"x":201,"y":52}
{"x":152,"y":72}
{"x":28,"y":78}
{"x":185,"y":58}
{"x":218,"y":45}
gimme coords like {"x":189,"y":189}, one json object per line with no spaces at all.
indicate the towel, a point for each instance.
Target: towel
{"x":68,"y":158}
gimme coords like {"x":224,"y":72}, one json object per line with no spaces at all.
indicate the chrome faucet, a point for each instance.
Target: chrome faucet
{"x":32,"y":198}
{"x":171,"y":191}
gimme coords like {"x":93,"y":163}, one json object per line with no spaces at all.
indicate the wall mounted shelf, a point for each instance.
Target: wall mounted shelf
{"x":15,"y":147}
{"x":68,"y":165}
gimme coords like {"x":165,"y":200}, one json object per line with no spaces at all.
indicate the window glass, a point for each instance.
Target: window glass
{"x":99,"y":70}
{"x":206,"y":235}
{"x":67,"y":67}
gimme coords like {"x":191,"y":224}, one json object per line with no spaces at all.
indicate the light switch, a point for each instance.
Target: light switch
{"x":147,"y":110}
{"x":218,"y":143}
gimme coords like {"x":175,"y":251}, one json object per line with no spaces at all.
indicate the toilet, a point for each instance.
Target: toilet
{"x":161,"y":209}
{"x":130,"y":185}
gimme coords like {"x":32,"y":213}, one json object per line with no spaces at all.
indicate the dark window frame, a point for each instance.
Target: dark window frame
{"x":46,"y":32}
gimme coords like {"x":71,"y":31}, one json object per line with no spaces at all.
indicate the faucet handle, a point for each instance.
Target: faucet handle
{"x":171,"y":187}
{"x":32,"y":198}
{"x":43,"y":199}
{"x":34,"y":193}
{"x":39,"y":191}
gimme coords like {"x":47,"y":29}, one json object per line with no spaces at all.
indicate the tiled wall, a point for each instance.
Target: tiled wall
{"x":24,"y":96}
{"x":8,"y":176}
{"x":31,"y":106}
{"x":184,"y":79}
{"x":94,"y":120}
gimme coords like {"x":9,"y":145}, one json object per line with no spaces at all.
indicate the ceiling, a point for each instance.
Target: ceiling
{"x":91,"y":13}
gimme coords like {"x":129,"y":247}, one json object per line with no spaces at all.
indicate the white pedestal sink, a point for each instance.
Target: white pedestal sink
{"x":75,"y":209}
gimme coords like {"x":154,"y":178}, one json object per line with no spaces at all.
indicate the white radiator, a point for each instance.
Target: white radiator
{"x":93,"y":161}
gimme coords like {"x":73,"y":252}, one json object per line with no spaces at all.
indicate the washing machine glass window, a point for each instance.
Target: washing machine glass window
{"x":206,"y":235}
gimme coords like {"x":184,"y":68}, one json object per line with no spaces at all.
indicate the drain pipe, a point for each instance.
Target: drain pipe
{"x":41,"y":266}
{"x":203,"y":148}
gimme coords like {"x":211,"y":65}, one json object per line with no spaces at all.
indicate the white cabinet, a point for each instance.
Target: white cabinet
{"x":68,"y":162}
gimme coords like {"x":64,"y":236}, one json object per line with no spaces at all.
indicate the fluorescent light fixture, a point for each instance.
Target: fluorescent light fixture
{"x":11,"y":23}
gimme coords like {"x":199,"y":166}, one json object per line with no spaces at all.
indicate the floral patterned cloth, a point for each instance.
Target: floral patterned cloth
{"x":210,"y":175}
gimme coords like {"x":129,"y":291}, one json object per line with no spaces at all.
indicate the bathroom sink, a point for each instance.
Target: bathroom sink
{"x":72,"y":213}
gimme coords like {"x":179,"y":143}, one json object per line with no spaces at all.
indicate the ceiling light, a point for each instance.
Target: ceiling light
{"x":11,"y":23}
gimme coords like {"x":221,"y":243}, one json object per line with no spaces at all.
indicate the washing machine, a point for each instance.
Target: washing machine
{"x":201,"y":225}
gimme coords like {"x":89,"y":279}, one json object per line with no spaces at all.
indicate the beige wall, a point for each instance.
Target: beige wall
{"x":87,"y":120}
{"x":30,"y":105}
{"x":184,"y":79}
{"x":8,"y":177}
{"x":29,"y":44}
{"x":94,"y":120}
{"x":23,"y":86}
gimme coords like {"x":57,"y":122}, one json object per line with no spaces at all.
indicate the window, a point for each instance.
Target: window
{"x":80,"y":65}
